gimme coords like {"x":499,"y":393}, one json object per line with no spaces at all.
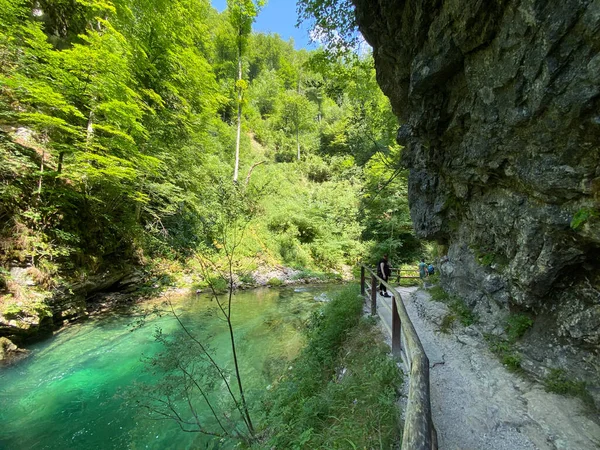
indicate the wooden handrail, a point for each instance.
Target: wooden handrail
{"x":419,"y":431}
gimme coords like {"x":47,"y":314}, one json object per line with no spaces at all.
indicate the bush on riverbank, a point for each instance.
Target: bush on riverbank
{"x":341,"y":390}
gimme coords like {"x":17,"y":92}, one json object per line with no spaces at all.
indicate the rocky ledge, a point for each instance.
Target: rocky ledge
{"x":500,"y":110}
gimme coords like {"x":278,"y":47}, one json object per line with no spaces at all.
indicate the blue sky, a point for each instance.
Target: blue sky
{"x":278,"y":16}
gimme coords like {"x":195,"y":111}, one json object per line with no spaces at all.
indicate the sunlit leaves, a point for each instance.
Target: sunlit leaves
{"x":332,"y":22}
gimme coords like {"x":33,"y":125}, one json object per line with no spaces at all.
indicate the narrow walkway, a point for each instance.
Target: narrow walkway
{"x":477,"y":404}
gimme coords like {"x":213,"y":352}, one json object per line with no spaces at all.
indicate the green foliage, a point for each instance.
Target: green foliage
{"x":118,"y":129}
{"x":486,"y":256}
{"x":456,"y":305}
{"x":12,"y":311}
{"x":333,"y":20}
{"x":558,"y":381}
{"x":247,"y":278}
{"x":219,"y":284}
{"x":505,"y":352}
{"x":517,"y":325}
{"x":582,"y":216}
{"x":447,"y":323}
{"x":28,"y":305}
{"x":386,"y":214}
{"x":274,"y":282}
{"x":342,"y":387}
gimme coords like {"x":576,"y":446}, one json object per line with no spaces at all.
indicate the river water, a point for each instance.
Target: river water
{"x":68,"y":394}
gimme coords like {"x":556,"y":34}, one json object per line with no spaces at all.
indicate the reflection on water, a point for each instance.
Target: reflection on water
{"x":66,"y":394}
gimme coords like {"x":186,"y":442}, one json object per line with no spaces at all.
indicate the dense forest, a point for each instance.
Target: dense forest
{"x":118,"y":138}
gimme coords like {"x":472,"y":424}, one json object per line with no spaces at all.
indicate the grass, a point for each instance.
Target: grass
{"x":458,"y":308}
{"x":558,"y":382}
{"x":505,"y":351}
{"x":341,"y":392}
{"x":447,"y":323}
{"x":517,"y":325}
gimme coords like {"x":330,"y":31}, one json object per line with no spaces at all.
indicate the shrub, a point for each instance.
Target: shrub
{"x":274,"y":282}
{"x":12,"y":311}
{"x":558,"y":382}
{"x":447,"y":322}
{"x":505,"y":351}
{"x":456,"y":305}
{"x":582,"y":216}
{"x":308,"y":273}
{"x":319,"y":173}
{"x":247,"y":278}
{"x":219,"y":284}
{"x":41,"y":278}
{"x":517,"y":325}
{"x":285,"y":156}
{"x":438,"y":294}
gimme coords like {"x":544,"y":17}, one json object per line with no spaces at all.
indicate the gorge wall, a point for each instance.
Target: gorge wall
{"x":499,"y":103}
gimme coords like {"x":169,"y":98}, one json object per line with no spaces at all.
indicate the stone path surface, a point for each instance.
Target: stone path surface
{"x":477,"y":404}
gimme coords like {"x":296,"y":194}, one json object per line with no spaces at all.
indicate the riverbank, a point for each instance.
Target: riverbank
{"x":33,"y":308}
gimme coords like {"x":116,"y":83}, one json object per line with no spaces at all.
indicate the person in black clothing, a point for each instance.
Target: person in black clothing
{"x":384,"y":271}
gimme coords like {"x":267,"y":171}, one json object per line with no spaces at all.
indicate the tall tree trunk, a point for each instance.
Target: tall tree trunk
{"x":61,"y":157}
{"x":39,"y":192}
{"x":90,"y":128}
{"x":239,"y":119}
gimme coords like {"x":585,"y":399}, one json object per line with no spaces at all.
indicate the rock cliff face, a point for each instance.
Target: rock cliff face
{"x":499,"y":103}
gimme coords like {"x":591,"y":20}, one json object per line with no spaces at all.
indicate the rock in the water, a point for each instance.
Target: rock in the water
{"x":500,"y":106}
{"x":9,"y":352}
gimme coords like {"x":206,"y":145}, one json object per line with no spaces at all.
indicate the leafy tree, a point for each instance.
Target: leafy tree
{"x":332,"y":22}
{"x":194,"y":378}
{"x":296,"y":115}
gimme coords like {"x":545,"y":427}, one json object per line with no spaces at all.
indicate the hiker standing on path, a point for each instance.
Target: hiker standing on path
{"x":384,"y":271}
{"x":422,"y":270}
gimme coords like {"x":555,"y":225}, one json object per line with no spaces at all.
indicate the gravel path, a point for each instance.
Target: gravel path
{"x":477,"y":404}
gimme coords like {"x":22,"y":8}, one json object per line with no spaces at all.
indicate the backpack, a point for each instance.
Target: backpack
{"x":430,"y":269}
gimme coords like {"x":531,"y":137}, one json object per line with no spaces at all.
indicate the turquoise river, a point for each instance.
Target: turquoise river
{"x":71,"y":391}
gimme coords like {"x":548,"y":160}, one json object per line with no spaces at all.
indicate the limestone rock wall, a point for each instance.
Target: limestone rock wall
{"x":499,"y":103}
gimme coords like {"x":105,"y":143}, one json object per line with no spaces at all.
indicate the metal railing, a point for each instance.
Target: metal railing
{"x":419,"y":432}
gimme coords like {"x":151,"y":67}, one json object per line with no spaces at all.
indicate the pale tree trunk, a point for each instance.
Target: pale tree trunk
{"x":90,"y":128}
{"x":298,"y":142}
{"x":239,"y":122}
{"x":39,"y":192}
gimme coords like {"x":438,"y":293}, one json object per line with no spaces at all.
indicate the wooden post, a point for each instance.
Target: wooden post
{"x":362,"y":281}
{"x":373,"y":295}
{"x":396,"y":329}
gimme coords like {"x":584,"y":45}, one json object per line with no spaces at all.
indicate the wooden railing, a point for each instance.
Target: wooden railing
{"x":419,"y":432}
{"x":404,"y":273}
